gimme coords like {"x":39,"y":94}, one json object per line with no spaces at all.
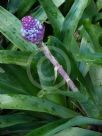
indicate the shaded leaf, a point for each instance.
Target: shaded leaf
{"x":14,"y":119}
{"x":81,"y":132}
{"x":71,"y":21}
{"x":31,"y":103}
{"x":54,"y":15}
{"x":24,"y":7}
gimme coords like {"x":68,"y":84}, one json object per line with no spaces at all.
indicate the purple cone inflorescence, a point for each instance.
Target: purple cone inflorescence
{"x":32,"y":30}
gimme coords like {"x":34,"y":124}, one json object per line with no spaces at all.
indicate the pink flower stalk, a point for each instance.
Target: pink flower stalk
{"x":32,"y":30}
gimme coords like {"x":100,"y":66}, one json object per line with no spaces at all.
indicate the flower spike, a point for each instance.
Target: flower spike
{"x":32,"y":30}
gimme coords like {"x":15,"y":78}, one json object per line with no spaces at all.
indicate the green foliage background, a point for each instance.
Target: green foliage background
{"x":33,"y":106}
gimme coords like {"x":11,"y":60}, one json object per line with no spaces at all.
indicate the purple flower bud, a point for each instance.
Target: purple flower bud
{"x":32,"y":30}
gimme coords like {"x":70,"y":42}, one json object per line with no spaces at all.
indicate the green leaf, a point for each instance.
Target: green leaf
{"x":40,"y":13}
{"x":99,"y":4}
{"x":31,"y":103}
{"x":46,"y":77}
{"x":86,"y":47}
{"x":67,"y":5}
{"x":14,"y":119}
{"x":22,"y":129}
{"x":77,"y":121}
{"x":9,"y":88}
{"x":95,"y":72}
{"x":54,"y":15}
{"x":85,"y":101}
{"x":8,"y":82}
{"x":58,"y":2}
{"x":13,"y":5}
{"x":98,"y":17}
{"x":24,"y":7}
{"x":45,"y":69}
{"x":14,"y":57}
{"x":89,"y":58}
{"x":57,"y":127}
{"x":21,"y":7}
{"x":12,"y":82}
{"x":81,"y":132}
{"x":90,"y":11}
{"x":46,"y":73}
{"x":45,"y":129}
{"x":94,"y":32}
{"x":96,"y":78}
{"x":71,"y":21}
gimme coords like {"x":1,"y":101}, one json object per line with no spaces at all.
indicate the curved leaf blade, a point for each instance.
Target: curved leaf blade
{"x":31,"y":103}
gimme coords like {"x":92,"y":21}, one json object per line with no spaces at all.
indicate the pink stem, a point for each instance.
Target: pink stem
{"x":59,"y":68}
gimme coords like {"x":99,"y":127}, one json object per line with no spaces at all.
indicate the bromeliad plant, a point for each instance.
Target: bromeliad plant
{"x":39,"y":95}
{"x":33,"y":31}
